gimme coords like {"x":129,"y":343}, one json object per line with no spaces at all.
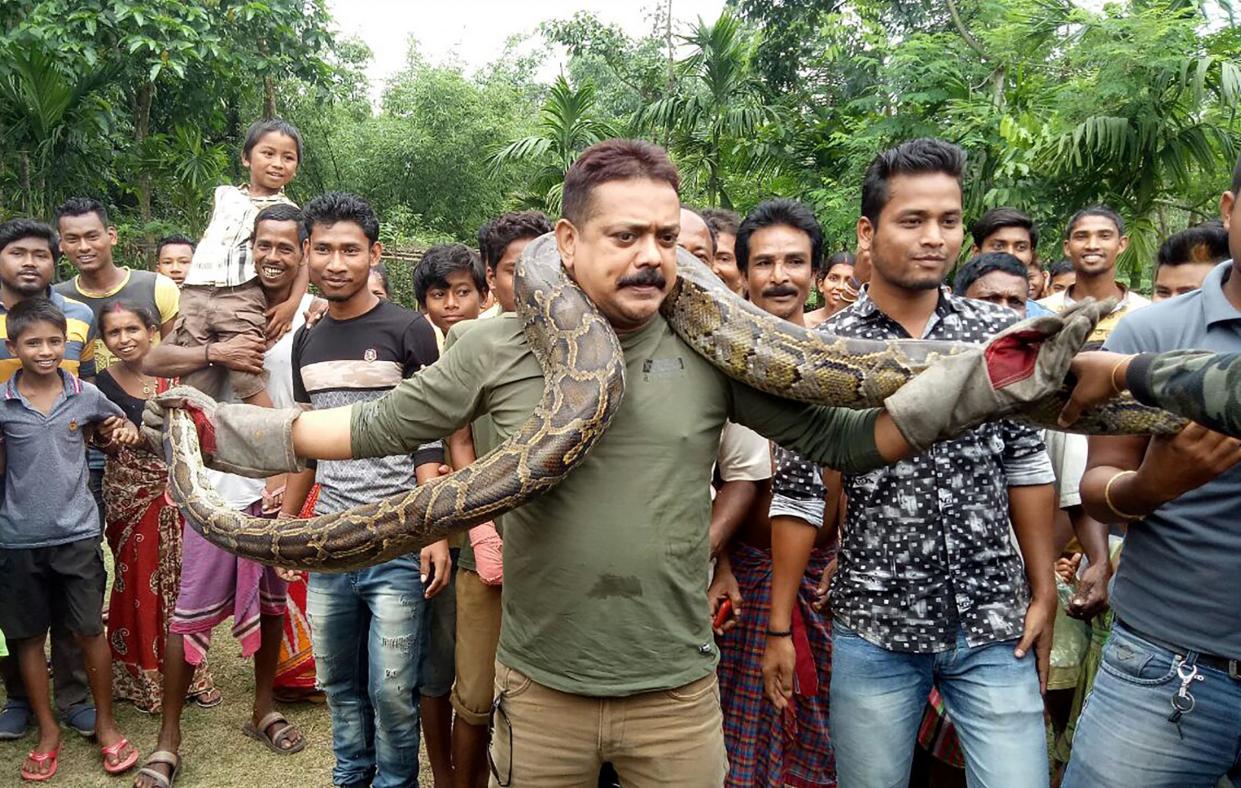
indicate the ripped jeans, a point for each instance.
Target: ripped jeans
{"x":367,"y":628}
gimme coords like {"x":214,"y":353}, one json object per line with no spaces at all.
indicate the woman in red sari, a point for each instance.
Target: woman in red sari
{"x":142,"y":528}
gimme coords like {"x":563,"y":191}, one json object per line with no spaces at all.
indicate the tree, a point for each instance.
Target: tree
{"x":567,"y":126}
{"x":715,"y":125}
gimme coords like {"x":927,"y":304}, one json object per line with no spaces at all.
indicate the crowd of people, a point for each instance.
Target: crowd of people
{"x":731,"y":589}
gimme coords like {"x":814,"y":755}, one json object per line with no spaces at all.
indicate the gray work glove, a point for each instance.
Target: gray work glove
{"x":243,"y":439}
{"x":1024,"y":363}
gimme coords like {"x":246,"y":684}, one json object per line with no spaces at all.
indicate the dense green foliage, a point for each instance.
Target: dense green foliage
{"x":144,"y":102}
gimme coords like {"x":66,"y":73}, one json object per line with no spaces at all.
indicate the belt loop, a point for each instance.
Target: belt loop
{"x":1234,"y":669}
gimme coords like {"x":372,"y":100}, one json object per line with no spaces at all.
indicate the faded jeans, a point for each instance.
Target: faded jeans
{"x":878,"y":697}
{"x":367,"y":628}
{"x":1124,"y":737}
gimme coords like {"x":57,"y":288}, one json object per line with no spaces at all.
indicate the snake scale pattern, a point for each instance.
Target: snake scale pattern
{"x":584,"y":371}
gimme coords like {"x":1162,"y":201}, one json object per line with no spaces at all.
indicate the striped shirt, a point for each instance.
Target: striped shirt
{"x":79,"y":339}
{"x":343,"y":362}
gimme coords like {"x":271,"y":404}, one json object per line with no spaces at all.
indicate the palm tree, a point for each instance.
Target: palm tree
{"x":567,"y":126}
{"x":1155,"y":144}
{"x":716,"y":120}
{"x":41,"y":108}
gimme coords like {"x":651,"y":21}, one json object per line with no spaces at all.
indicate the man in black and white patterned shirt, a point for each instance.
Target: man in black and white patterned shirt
{"x":930,"y":590}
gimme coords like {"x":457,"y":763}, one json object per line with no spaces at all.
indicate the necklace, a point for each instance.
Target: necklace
{"x":148,"y":383}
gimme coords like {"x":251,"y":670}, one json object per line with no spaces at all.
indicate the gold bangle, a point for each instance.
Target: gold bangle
{"x":1107,"y":497}
{"x":1117,"y":390}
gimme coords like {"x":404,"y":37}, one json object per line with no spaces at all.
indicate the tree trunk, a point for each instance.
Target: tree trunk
{"x":269,"y":98}
{"x":142,"y":128}
{"x":23,"y":168}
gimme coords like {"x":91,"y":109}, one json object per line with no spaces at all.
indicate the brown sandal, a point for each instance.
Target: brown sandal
{"x":259,"y":734}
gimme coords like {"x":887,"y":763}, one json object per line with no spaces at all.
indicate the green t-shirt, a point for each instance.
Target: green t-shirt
{"x":605,"y":575}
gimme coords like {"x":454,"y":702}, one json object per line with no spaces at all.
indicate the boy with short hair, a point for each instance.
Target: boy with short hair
{"x":221,"y":296}
{"x":449,"y":286}
{"x":174,"y":254}
{"x":480,"y":563}
{"x":50,"y":559}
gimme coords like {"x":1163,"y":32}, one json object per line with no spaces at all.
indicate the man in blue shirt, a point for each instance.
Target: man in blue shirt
{"x":1163,"y":711}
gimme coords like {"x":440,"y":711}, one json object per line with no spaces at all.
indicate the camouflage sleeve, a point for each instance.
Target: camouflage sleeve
{"x":1204,"y":387}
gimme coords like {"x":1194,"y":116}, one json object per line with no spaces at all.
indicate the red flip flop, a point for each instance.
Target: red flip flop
{"x":113,"y":751}
{"x":41,"y":758}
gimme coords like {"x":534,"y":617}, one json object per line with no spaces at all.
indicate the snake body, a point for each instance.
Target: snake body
{"x":583,"y":367}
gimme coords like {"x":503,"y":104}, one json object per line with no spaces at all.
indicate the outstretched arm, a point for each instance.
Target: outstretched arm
{"x":1201,"y":386}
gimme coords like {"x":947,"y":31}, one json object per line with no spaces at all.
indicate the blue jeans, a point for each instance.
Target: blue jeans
{"x":367,"y":628}
{"x":1124,"y":737}
{"x":878,"y":697}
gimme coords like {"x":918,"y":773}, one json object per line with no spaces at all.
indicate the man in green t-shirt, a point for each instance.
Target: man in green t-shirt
{"x":605,"y":649}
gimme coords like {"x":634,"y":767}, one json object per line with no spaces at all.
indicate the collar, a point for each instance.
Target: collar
{"x":1125,"y":294}
{"x":72,"y":385}
{"x":865,"y":307}
{"x":1216,"y":307}
{"x":77,"y":283}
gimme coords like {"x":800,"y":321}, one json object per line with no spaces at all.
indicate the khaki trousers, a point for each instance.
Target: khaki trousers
{"x":478,"y":632}
{"x":552,"y":739}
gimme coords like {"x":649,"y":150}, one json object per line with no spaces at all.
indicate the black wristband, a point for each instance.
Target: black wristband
{"x":773,"y":633}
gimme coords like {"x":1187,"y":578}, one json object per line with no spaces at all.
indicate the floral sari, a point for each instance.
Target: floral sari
{"x":144,"y":533}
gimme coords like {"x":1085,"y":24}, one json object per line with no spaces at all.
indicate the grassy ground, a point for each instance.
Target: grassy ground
{"x":217,"y":754}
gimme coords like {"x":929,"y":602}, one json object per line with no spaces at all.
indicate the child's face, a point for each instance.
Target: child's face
{"x":174,"y":262}
{"x":126,"y":337}
{"x":376,"y":284}
{"x":40,"y":348}
{"x":272,"y":162}
{"x":501,"y":279}
{"x":447,"y":306}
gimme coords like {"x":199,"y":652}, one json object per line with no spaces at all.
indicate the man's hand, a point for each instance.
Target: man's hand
{"x":273,"y":494}
{"x":241,"y":352}
{"x":315,"y":312}
{"x":1090,"y":595}
{"x":1100,"y":376}
{"x":437,"y":565}
{"x":120,"y":431}
{"x":724,"y":586}
{"x":822,"y":593}
{"x":289,"y":575}
{"x":1040,"y":619}
{"x":1176,"y":464}
{"x":280,"y":319}
{"x":779,"y":662}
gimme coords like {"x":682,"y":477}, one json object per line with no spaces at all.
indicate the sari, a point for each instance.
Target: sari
{"x":144,"y":533}
{"x":295,"y":670}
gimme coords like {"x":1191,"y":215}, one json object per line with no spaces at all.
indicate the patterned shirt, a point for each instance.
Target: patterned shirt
{"x":928,"y":548}
{"x":223,"y":257}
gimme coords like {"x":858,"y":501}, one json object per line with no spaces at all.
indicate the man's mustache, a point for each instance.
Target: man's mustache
{"x":777,"y":291}
{"x":647,"y":276}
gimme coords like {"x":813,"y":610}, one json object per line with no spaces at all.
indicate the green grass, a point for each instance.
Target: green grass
{"x":216,"y":753}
